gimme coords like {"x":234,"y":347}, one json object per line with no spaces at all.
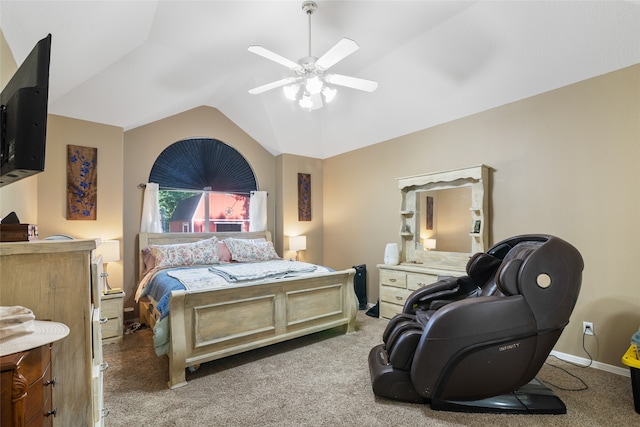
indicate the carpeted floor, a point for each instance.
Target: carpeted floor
{"x":322,"y":380}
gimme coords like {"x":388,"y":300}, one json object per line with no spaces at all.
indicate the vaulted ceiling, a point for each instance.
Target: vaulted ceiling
{"x":129,"y":63}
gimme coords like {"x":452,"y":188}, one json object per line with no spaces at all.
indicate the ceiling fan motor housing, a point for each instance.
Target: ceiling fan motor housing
{"x":309,"y":7}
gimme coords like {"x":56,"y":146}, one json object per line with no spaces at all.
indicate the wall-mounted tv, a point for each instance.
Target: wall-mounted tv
{"x":23,"y":116}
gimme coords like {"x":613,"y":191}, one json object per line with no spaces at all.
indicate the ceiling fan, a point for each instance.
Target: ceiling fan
{"x":309,"y":86}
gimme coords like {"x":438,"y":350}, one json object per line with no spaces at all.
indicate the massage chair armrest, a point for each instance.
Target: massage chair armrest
{"x":449,"y":289}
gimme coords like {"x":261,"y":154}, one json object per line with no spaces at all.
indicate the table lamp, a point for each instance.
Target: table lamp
{"x":110,"y":251}
{"x":298,"y":243}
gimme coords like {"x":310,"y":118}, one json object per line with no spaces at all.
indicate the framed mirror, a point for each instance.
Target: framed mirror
{"x":445,"y":216}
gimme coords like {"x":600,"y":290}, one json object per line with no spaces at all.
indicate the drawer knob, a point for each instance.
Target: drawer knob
{"x":398,"y":297}
{"x":104,"y":366}
{"x":49,"y":413}
{"x":51,"y":382}
{"x":392,"y":280}
{"x":104,"y":320}
{"x":421,"y":284}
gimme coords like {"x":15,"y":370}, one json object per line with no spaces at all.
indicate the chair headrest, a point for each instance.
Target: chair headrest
{"x":548,"y":274}
{"x":481,"y":267}
{"x":507,"y":277}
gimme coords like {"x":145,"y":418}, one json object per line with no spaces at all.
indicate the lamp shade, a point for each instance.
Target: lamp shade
{"x":429,"y":244}
{"x":110,"y":250}
{"x":298,"y":243}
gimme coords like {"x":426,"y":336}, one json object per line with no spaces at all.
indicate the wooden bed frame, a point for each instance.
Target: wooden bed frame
{"x":209,"y":325}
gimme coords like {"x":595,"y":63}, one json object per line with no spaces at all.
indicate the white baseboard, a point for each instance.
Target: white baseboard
{"x":598,"y":365}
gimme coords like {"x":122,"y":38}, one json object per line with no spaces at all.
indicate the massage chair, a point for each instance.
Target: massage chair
{"x":475,"y":343}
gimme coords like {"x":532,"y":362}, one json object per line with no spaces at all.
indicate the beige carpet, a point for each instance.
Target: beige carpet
{"x":321,"y":380}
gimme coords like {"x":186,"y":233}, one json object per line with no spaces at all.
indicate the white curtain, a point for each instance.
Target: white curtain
{"x":258,"y":211}
{"x":151,"y":221}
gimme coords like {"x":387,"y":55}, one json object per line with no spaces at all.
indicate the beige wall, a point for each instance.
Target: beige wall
{"x":52,"y":183}
{"x":288,"y":167}
{"x":144,"y":144}
{"x":566,"y":162}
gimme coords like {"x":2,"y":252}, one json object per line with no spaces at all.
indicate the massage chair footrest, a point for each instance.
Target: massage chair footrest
{"x":389,"y":382}
{"x":532,"y":398}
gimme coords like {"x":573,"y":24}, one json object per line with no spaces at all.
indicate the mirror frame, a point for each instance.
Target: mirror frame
{"x":476,"y":177}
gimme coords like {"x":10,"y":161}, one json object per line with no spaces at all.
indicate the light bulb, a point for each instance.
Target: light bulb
{"x":314,"y":85}
{"x":328,"y":94}
{"x":291,"y":91}
{"x":305,"y":102}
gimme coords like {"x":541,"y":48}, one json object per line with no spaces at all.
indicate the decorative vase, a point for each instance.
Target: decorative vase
{"x":391,"y":254}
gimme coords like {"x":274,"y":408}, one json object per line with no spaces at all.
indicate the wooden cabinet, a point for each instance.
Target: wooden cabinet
{"x":54,"y":279}
{"x":397,"y":282}
{"x":27,"y":383}
{"x":111,"y":312}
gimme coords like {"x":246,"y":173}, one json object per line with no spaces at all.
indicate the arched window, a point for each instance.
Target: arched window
{"x":205,"y":185}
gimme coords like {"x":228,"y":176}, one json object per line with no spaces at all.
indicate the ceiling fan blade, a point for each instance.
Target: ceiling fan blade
{"x":266,"y":53}
{"x":352,"y":82}
{"x":273,"y":85}
{"x":338,"y":52}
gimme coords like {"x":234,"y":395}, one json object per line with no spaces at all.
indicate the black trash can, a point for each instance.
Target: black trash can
{"x":360,"y":285}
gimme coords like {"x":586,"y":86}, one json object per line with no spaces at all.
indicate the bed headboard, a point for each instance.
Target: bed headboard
{"x":146,"y":239}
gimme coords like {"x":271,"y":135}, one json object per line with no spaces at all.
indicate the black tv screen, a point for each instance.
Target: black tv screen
{"x":23,"y":116}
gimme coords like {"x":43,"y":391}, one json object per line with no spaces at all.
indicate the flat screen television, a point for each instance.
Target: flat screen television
{"x":23,"y":116}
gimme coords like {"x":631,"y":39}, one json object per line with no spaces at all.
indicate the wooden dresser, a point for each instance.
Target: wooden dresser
{"x":27,"y":383}
{"x":59,"y":281}
{"x":397,"y":282}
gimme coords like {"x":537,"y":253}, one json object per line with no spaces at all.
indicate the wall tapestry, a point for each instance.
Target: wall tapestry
{"x":304,"y":197}
{"x":82,"y":182}
{"x":429,"y":213}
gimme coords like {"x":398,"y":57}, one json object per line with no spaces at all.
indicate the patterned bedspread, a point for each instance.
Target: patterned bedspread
{"x":158,"y":284}
{"x":219,"y":276}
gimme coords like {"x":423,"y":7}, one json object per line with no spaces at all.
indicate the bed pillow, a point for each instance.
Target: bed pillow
{"x":224,"y":254}
{"x":202,"y":252}
{"x":148,"y":259}
{"x":247,"y":250}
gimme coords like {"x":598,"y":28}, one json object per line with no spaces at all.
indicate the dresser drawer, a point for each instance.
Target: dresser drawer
{"x":416,"y":281}
{"x":37,"y":403}
{"x":394,"y":295}
{"x":111,"y":328}
{"x":36,"y":369}
{"x":111,"y":308}
{"x":388,"y":310}
{"x":393,"y":278}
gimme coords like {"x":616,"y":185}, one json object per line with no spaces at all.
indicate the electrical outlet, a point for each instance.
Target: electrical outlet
{"x":587,"y":328}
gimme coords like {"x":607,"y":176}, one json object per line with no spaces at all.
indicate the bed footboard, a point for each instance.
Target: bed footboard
{"x":209,"y":325}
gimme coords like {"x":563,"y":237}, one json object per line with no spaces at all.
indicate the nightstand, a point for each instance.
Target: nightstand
{"x":111,"y":314}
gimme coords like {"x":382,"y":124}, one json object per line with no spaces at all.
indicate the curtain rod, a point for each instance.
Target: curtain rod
{"x":142,"y":186}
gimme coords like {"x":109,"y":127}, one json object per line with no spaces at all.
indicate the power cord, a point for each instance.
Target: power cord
{"x":584,"y":385}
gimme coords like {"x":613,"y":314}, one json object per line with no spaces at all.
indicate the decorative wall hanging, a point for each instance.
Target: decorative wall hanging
{"x":429,"y":213}
{"x":304,"y":197}
{"x":82,"y":182}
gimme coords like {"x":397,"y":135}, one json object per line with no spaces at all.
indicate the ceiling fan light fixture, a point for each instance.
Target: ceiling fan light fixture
{"x":328,"y":94}
{"x":310,"y":72}
{"x":291,"y":91}
{"x":305,"y":102}
{"x":313,"y":85}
